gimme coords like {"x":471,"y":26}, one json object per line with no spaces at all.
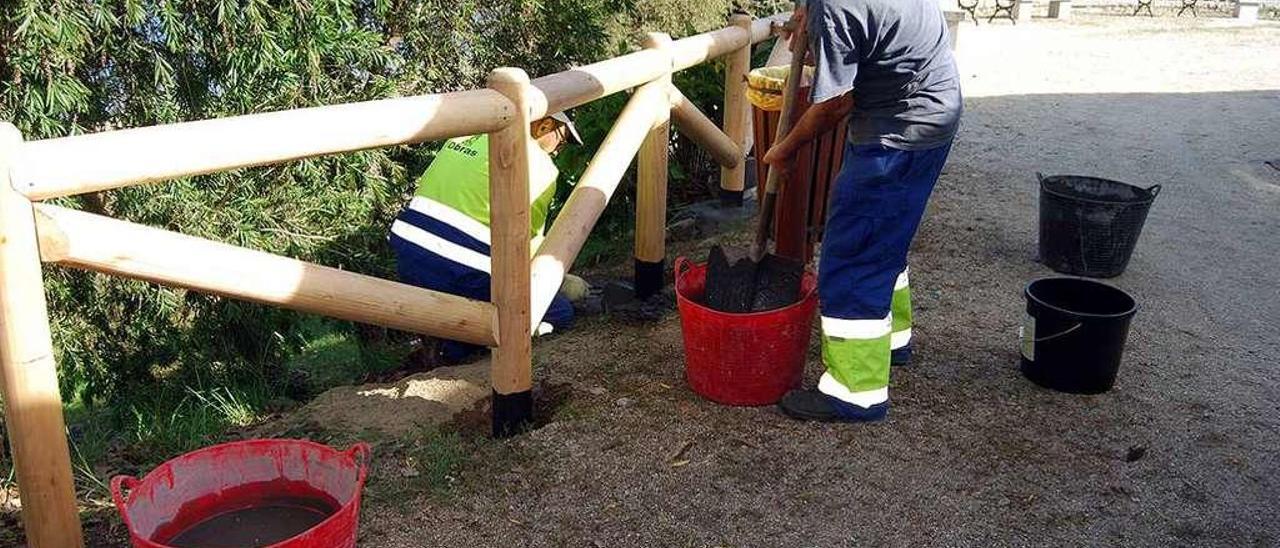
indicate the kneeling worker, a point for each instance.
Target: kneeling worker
{"x":441,"y":239}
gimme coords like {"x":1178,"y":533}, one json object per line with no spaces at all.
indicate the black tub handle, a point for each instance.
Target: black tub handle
{"x":1154,"y":190}
{"x":1054,"y":336}
{"x":1040,"y":177}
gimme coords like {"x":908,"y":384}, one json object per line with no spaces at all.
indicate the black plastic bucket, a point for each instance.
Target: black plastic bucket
{"x":1074,"y":333}
{"x":1089,"y":226}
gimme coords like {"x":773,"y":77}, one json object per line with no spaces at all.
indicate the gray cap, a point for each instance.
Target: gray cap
{"x":573,"y":130}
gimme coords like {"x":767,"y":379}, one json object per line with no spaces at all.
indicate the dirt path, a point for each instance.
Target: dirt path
{"x":973,"y":454}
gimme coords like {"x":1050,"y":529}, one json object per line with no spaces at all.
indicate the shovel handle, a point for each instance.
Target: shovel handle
{"x":774,"y":178}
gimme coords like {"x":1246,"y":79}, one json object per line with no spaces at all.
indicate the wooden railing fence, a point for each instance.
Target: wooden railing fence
{"x":32,"y":233}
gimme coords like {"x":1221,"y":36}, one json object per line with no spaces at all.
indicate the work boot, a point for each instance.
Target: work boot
{"x":900,"y":356}
{"x":812,"y":405}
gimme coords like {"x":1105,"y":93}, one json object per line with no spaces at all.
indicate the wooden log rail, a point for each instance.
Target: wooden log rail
{"x":102,"y":244}
{"x":32,"y":233}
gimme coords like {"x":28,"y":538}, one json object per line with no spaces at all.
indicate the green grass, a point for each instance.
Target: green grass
{"x":429,"y":463}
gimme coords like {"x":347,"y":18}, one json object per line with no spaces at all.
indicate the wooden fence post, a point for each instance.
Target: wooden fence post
{"x":651,"y":189}
{"x":509,"y":173}
{"x":32,"y":405}
{"x":733,"y":179}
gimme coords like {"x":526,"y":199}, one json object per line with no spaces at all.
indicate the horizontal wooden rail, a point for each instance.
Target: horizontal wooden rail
{"x":701,"y":130}
{"x":93,"y":242}
{"x":765,"y":28}
{"x":700,"y":48}
{"x":80,"y":164}
{"x":99,"y":161}
{"x":578,"y":86}
{"x":590,"y":196}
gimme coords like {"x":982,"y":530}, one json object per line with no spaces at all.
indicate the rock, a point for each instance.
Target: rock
{"x":1136,"y":452}
{"x":624,"y":402}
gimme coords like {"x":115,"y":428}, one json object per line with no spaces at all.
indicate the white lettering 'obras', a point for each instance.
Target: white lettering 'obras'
{"x":451,"y":217}
{"x":856,"y":329}
{"x":830,"y":386}
{"x":441,"y":246}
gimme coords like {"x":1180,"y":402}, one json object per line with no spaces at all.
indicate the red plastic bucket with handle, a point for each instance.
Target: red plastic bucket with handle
{"x":742,"y":359}
{"x":191,"y":490}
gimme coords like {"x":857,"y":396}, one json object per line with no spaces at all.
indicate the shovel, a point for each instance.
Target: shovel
{"x":761,"y":280}
{"x":764,"y":229}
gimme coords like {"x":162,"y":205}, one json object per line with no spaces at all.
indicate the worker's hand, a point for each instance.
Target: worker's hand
{"x":574,"y":288}
{"x":779,"y":157}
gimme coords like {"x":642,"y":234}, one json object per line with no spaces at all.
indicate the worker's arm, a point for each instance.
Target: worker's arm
{"x":819,"y":119}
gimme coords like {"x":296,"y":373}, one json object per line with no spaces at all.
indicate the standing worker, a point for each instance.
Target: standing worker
{"x":887,"y":66}
{"x":441,"y":239}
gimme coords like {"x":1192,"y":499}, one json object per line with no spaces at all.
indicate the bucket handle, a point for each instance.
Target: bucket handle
{"x":1061,"y":334}
{"x":1040,"y":177}
{"x":1154,"y":190}
{"x":359,"y":454}
{"x":682,"y":265}
{"x":119,"y":485}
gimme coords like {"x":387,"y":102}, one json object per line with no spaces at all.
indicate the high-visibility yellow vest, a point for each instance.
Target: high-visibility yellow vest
{"x":458,"y":179}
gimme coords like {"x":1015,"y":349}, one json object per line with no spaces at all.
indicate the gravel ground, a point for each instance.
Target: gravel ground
{"x":1182,"y":452}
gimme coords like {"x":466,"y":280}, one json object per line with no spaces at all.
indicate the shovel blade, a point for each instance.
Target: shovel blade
{"x":737,"y":284}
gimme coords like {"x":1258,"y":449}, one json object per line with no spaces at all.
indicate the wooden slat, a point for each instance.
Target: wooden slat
{"x":695,"y":125}
{"x":32,"y":404}
{"x":102,"y":244}
{"x":736,"y":109}
{"x":591,"y":195}
{"x":510,"y":153}
{"x":651,"y":171}
{"x":581,"y":85}
{"x":112,"y":159}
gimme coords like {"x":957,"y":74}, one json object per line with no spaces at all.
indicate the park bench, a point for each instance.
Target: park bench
{"x":971,"y":8}
{"x":1005,"y":7}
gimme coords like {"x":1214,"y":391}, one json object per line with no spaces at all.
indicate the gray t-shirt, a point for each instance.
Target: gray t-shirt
{"x":895,"y":56}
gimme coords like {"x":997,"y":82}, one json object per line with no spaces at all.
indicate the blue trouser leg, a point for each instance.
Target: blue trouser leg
{"x":419,"y":267}
{"x":876,"y":206}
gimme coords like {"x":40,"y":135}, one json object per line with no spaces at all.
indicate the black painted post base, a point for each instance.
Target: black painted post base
{"x":512,"y":413}
{"x":730,"y":198}
{"x":649,"y":278}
